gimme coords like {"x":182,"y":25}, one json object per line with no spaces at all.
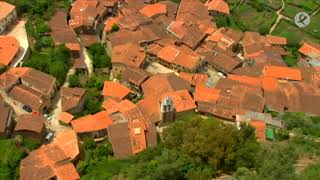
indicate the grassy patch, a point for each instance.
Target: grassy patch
{"x":273,"y":4}
{"x":314,"y":26}
{"x":294,"y":34}
{"x":250,"y":19}
{"x":292,"y":7}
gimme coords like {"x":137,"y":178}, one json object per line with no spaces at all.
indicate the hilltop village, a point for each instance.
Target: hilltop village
{"x":160,"y":61}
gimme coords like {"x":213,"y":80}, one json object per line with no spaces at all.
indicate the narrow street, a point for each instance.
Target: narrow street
{"x":87,"y":60}
{"x":54,"y":124}
{"x":17,"y":106}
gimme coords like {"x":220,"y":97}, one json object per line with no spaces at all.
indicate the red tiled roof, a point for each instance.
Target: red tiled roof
{"x":138,"y":135}
{"x":169,"y":53}
{"x":179,"y":56}
{"x":9,"y":47}
{"x":71,"y":97}
{"x":73,"y":46}
{"x":269,"y":84}
{"x":310,"y":49}
{"x":153,"y":10}
{"x":92,"y":123}
{"x":65,"y":117}
{"x":182,"y":100}
{"x":110,"y":105}
{"x":29,"y":122}
{"x":195,"y":79}
{"x":52,"y":160}
{"x":128,"y":54}
{"x":206,"y":94}
{"x":218,"y":5}
{"x":5,"y":9}
{"x":115,"y":90}
{"x":276,"y":40}
{"x":163,"y":83}
{"x":282,"y":73}
{"x":260,"y":128}
{"x":68,"y":142}
{"x":246,"y":80}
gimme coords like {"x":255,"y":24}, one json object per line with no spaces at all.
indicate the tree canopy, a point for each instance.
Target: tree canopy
{"x":99,"y":56}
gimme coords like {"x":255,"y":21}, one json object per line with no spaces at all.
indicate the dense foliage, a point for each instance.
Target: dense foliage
{"x":193,"y":148}
{"x":9,"y":159}
{"x":99,"y":56}
{"x":302,"y":123}
{"x":56,"y":62}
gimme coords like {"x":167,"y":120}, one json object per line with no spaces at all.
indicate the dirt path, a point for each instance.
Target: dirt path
{"x":54,"y":124}
{"x":280,"y":16}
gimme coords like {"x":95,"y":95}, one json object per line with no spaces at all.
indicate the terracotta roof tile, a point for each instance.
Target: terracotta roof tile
{"x":135,"y":76}
{"x":115,"y":90}
{"x":282,"y":73}
{"x":260,"y":128}
{"x":182,"y":100}
{"x":169,"y":53}
{"x":73,"y":46}
{"x":67,"y":140}
{"x":128,"y":54}
{"x":9,"y":47}
{"x":29,"y":122}
{"x":223,"y":62}
{"x":65,"y":117}
{"x":206,"y":94}
{"x":5,"y":9}
{"x":110,"y":105}
{"x":71,"y":97}
{"x":52,"y":160}
{"x":27,"y":96}
{"x":276,"y":40}
{"x":246,"y":80}
{"x":163,"y":83}
{"x":310,"y":49}
{"x":40,"y":81}
{"x":218,"y":5}
{"x":154,"y":10}
{"x":150,"y":108}
{"x":92,"y":123}
{"x":269,"y":84}
{"x":195,"y":79}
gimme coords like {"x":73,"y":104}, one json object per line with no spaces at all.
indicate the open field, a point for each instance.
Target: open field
{"x":292,"y":7}
{"x":294,"y":34}
{"x":248,"y":18}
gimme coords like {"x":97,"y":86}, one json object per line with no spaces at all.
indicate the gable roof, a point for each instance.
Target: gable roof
{"x":52,"y":160}
{"x":92,"y":123}
{"x":4,"y":115}
{"x":135,"y":76}
{"x":218,"y":5}
{"x":223,"y":62}
{"x":128,"y":54}
{"x":205,"y":94}
{"x":195,"y":79}
{"x":29,"y":122}
{"x":115,"y":90}
{"x":27,"y":96}
{"x":5,"y":9}
{"x":311,"y":50}
{"x":65,"y":117}
{"x":154,"y":10}
{"x":276,"y":40}
{"x":71,"y":97}
{"x":282,"y":73}
{"x":163,"y":83}
{"x":9,"y":47}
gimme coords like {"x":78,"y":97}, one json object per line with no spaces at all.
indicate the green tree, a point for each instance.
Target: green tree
{"x":114,"y":28}
{"x":74,"y":81}
{"x":99,"y":56}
